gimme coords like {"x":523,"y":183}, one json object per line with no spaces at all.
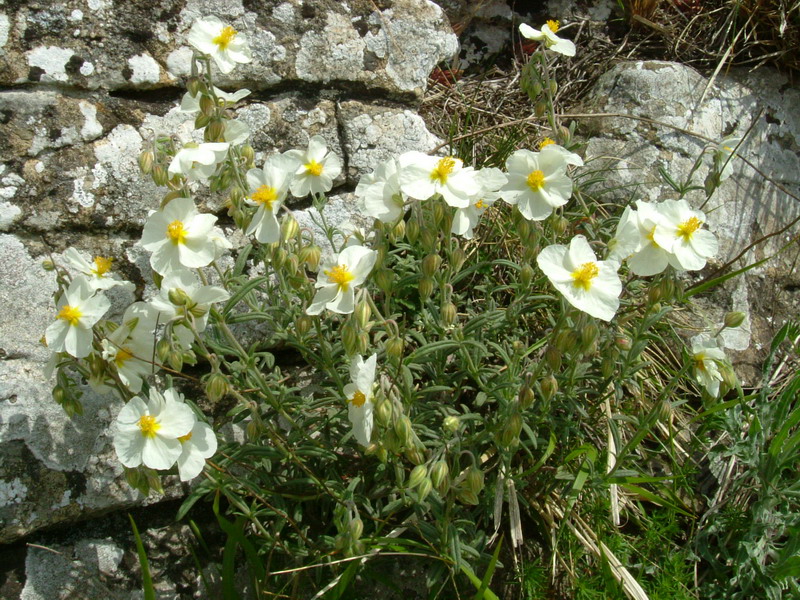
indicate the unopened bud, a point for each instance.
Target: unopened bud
{"x":425,"y":287}
{"x":523,"y":226}
{"x":553,"y":87}
{"x":549,"y":387}
{"x":424,"y":489}
{"x":399,"y":231}
{"x":457,"y":259}
{"x":402,"y":427}
{"x":412,"y":231}
{"x":163,"y":348}
{"x":589,"y":334}
{"x":510,"y":435}
{"x":525,"y":397}
{"x":664,"y":410}
{"x":178,"y":297}
{"x":474,"y":480}
{"x":248,"y":154}
{"x":449,"y":314}
{"x":159,"y":175}
{"x":289,"y":228}
{"x":565,"y":340}
{"x":431,"y":264}
{"x":734,"y":319}
{"x":175,"y":360}
{"x":207,"y":107}
{"x":526,"y":275}
{"x":59,"y":394}
{"x":356,"y":528}
{"x":438,"y":213}
{"x":279,"y":256}
{"x":654,"y":294}
{"x":440,"y":476}
{"x":194,"y":85}
{"x":414,"y":456}
{"x":303,"y":324}
{"x":201,"y":121}
{"x":607,"y":366}
{"x":623,"y":342}
{"x":217,"y":387}
{"x":384,"y":278}
{"x":428,"y":239}
{"x":383,"y":412}
{"x":363,"y":312}
{"x":560,"y":225}
{"x":728,"y":376}
{"x":350,"y":339}
{"x":451,"y":424}
{"x":310,"y":255}
{"x":146,"y":161}
{"x":418,"y":474}
{"x":553,"y":358}
{"x":363,"y":342}
{"x":48,"y":265}
{"x":394,"y":348}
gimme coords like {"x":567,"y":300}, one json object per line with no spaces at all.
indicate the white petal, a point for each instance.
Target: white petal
{"x":160,"y":453}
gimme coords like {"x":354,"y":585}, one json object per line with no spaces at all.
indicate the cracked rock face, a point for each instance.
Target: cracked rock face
{"x":84,"y":87}
{"x":675,"y":100}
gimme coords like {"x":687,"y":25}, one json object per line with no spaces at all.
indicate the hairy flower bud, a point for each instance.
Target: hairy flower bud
{"x":303,"y":324}
{"x":449,"y":314}
{"x":398,"y":231}
{"x":526,"y":275}
{"x":451,"y":424}
{"x":48,"y":265}
{"x":383,"y":412}
{"x":289,"y":228}
{"x":217,"y":387}
{"x":457,"y":259}
{"x":146,"y":159}
{"x":431,"y":264}
{"x":403,"y":429}
{"x":418,"y":474}
{"x":734,"y":319}
{"x":412,"y":231}
{"x":310,"y":255}
{"x":424,"y":489}
{"x":428,"y":239}
{"x":215,"y":131}
{"x":560,"y":225}
{"x":207,"y":106}
{"x":589,"y":334}
{"x":363,"y":342}
{"x":194,"y":85}
{"x":178,"y":297}
{"x":350,"y":339}
{"x":510,"y":434}
{"x":474,"y":480}
{"x":623,"y":342}
{"x":425,"y":287}
{"x":394,"y":348}
{"x":356,"y":528}
{"x":608,"y":366}
{"x":525,"y":397}
{"x":440,"y":476}
{"x":248,"y":154}
{"x":384,"y":278}
{"x":163,"y":348}
{"x":553,"y":358}
{"x":159,"y":175}
{"x":415,"y":456}
{"x":175,"y":360}
{"x":549,"y":387}
{"x":363,"y":313}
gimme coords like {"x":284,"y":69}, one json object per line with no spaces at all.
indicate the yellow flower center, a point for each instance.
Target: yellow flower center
{"x":553,"y":25}
{"x":185,"y":438}
{"x":699,"y":361}
{"x":358,"y":398}
{"x":341,"y":276}
{"x":687,"y":228}
{"x":480,"y":204}
{"x":584,"y":274}
{"x":71,"y":314}
{"x":536,"y":180}
{"x":176,"y":232}
{"x":265,"y":195}
{"x":546,"y":142}
{"x":102,"y":265}
{"x":443,"y":169}
{"x":225,"y":37}
{"x":652,"y":237}
{"x":313,"y":168}
{"x":148,"y":425}
{"x":122,"y":356}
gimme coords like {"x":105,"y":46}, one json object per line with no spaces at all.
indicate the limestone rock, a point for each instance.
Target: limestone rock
{"x":113,"y":44}
{"x":673,"y":103}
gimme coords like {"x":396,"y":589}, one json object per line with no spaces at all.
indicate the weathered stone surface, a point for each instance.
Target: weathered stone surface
{"x":673,"y":100}
{"x":112,"y":44}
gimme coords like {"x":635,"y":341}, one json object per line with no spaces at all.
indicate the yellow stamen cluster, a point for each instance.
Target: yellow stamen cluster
{"x":553,"y":25}
{"x":652,"y":237}
{"x":358,"y":398}
{"x":687,"y":228}
{"x":71,"y":314}
{"x":443,"y":169}
{"x":480,"y":204}
{"x":546,"y":142}
{"x":123,"y":355}
{"x":265,"y":195}
{"x":536,"y":180}
{"x":176,"y":232}
{"x":313,"y":168}
{"x":225,"y":37}
{"x":102,"y":265}
{"x":148,"y":425}
{"x":340,"y":275}
{"x":699,"y":361}
{"x":583,"y":275}
{"x":185,"y":438}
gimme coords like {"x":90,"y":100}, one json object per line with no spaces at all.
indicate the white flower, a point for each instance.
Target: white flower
{"x":236,"y":132}
{"x":79,"y":308}
{"x":182,"y":295}
{"x":147,"y":433}
{"x":679,"y":233}
{"x":359,"y":397}
{"x":98,"y":273}
{"x":537,"y":182}
{"x":466,"y":219}
{"x":548,"y":35}
{"x":422,"y":176}
{"x":588,"y":284}
{"x":221,"y":42}
{"x":338,"y":279}
{"x":220,"y":241}
{"x":724,"y":153}
{"x":198,"y":162}
{"x":380,"y":192}
{"x":707,"y":356}
{"x":178,"y":236}
{"x":130,"y":346}
{"x":646,"y":257}
{"x":196,"y":446}
{"x":268,"y":189}
{"x":315,"y":168}
{"x":191,"y":104}
{"x":569,"y":157}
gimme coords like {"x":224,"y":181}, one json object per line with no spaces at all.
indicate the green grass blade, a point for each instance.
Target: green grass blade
{"x":147,"y":580}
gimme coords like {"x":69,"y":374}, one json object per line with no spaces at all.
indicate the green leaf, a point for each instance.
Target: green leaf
{"x":147,"y":580}
{"x":487,"y":593}
{"x":242,"y":292}
{"x":487,"y":577}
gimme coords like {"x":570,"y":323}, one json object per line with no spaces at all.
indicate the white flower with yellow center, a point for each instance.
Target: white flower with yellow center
{"x":466,"y":219}
{"x":129,"y":348}
{"x":588,"y":284}
{"x":315,"y":168}
{"x":198,"y":162}
{"x":221,"y":42}
{"x":191,"y":104}
{"x":359,"y":397}
{"x":707,"y":357}
{"x":178,"y":236}
{"x":268,"y":189}
{"x":380,"y":194}
{"x":338,"y":279}
{"x":196,"y":446}
{"x":537,"y":182}
{"x":679,"y":233}
{"x":421,"y":176}
{"x":547,"y":35}
{"x":79,"y":308}
{"x":724,"y":153}
{"x":97,"y":272}
{"x":635,"y":241}
{"x":147,"y":432}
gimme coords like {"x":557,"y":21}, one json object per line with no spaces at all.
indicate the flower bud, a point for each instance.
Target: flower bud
{"x":412,"y":231}
{"x":178,"y":297}
{"x":451,"y":424}
{"x":728,"y":376}
{"x":248,"y":154}
{"x":201,"y":121}
{"x":279,"y":256}
{"x":175,"y":360}
{"x":734,"y":319}
{"x":384,"y":278}
{"x":589,"y":334}
{"x":525,"y":397}
{"x":431,"y":264}
{"x":399,"y":231}
{"x":523,"y":227}
{"x":623,"y":342}
{"x":418,"y":474}
{"x":560,"y":225}
{"x":310,"y":255}
{"x":510,"y":435}
{"x":207,"y":107}
{"x":424,"y":489}
{"x":363,"y":342}
{"x":428,"y":239}
{"x":553,"y":358}
{"x":48,"y":265}
{"x":549,"y":387}
{"x":363,"y":312}
{"x":163,"y":348}
{"x":664,"y":410}
{"x":289,"y":228}
{"x":356,"y":528}
{"x":59,"y":394}
{"x":667,"y":288}
{"x":474,"y":480}
{"x":159,"y":175}
{"x":349,"y":339}
{"x":565,"y":340}
{"x":466,"y":496}
{"x":194,"y":86}
{"x":438,"y":213}
{"x":402,"y":427}
{"x":607,"y":366}
{"x":457,"y":259}
{"x":439,"y":476}
{"x":215,"y":131}
{"x":415,"y":456}
{"x":394,"y":348}
{"x":553,"y":87}
{"x":449,"y":314}
{"x":425,"y":287}
{"x":146,"y":161}
{"x":540,"y":108}
{"x":217,"y":387}
{"x":526,"y":275}
{"x":383,"y":412}
{"x":654,"y":294}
